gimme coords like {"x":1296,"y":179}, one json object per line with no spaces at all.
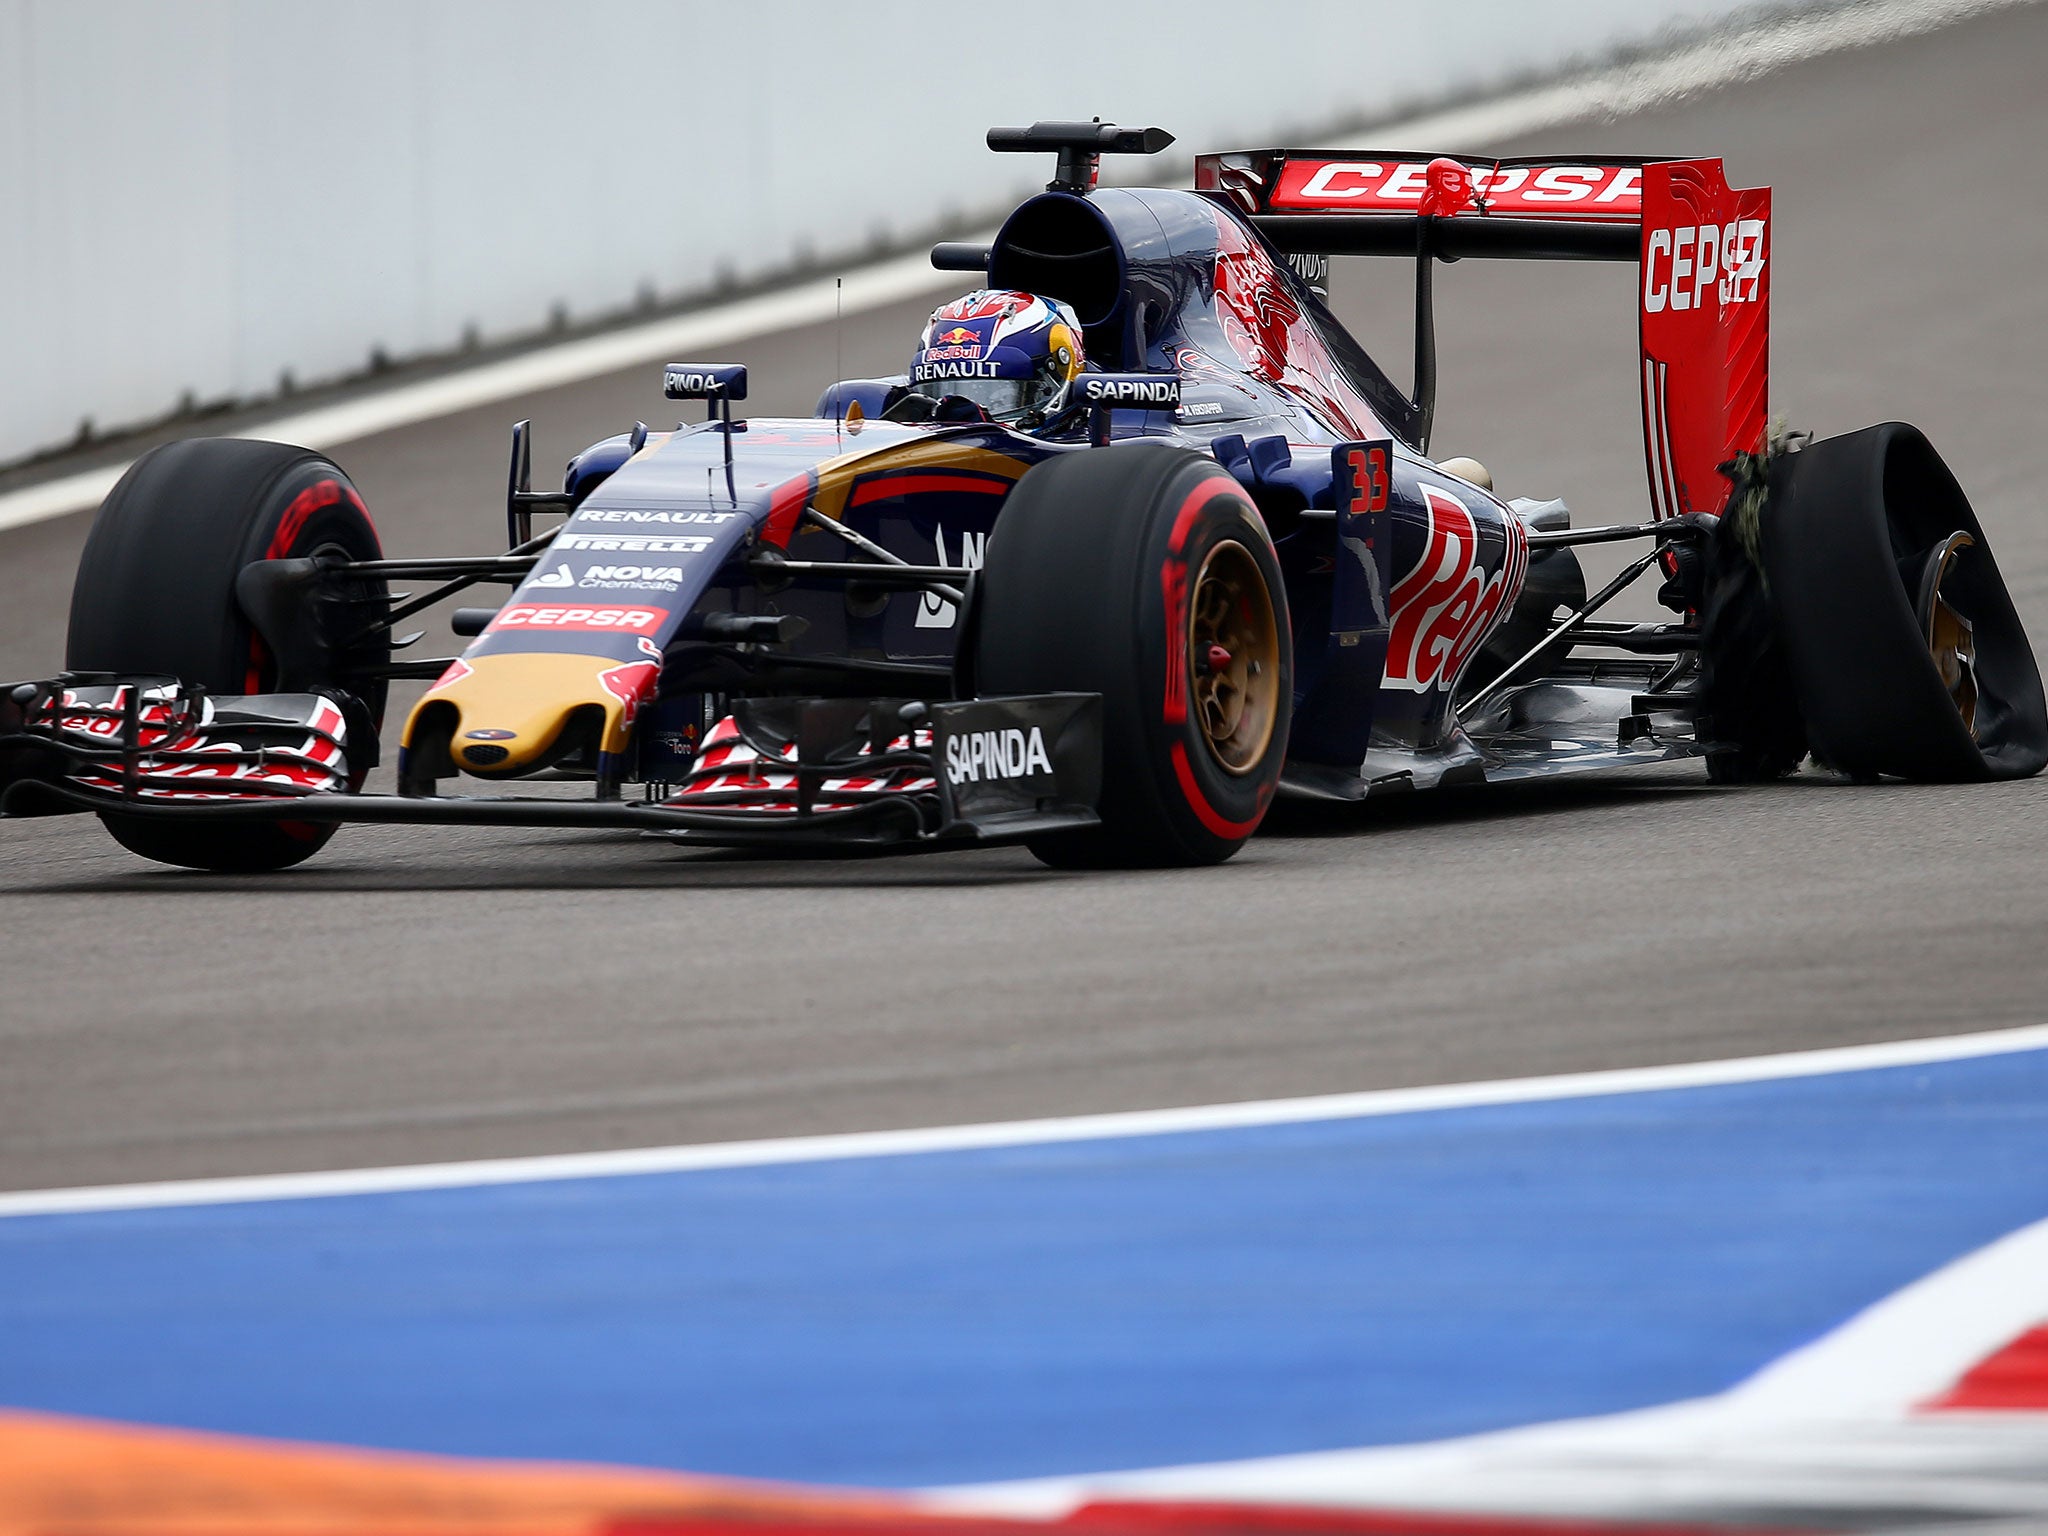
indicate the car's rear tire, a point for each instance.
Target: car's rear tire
{"x":1750,"y":705}
{"x":155,"y":593}
{"x":1853,"y":534}
{"x":1143,"y":573}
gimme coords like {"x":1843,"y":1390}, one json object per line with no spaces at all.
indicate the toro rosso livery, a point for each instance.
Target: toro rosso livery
{"x":1140,"y":539}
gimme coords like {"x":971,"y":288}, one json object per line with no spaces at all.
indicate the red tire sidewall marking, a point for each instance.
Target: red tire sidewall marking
{"x":315,"y":497}
{"x":321,"y":493}
{"x":1173,"y":583}
{"x":1211,"y":819}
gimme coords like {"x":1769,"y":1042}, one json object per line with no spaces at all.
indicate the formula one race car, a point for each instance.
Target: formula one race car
{"x":1212,"y":564}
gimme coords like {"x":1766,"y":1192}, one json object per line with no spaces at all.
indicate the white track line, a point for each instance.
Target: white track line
{"x":1716,"y":62}
{"x":1023,"y":1133}
{"x":810,"y":303}
{"x":1713,"y":63}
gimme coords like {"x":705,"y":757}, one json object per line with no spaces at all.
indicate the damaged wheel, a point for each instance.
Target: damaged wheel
{"x":1142,"y":573}
{"x":156,"y":594}
{"x":1905,"y":651}
{"x":1750,"y":704}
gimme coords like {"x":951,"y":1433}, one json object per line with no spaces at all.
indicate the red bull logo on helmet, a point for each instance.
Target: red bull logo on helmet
{"x":953,"y":344}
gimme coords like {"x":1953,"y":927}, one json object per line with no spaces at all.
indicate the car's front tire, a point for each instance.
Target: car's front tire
{"x":1143,"y":573}
{"x":155,"y":594}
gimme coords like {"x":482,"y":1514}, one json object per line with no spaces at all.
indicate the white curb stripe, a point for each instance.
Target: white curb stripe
{"x":1826,"y":1431}
{"x":1023,"y":1133}
{"x":1716,"y":62}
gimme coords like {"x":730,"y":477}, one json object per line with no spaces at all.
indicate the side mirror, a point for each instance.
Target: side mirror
{"x":704,"y":381}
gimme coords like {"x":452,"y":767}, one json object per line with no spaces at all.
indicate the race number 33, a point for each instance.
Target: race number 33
{"x":1362,"y":474}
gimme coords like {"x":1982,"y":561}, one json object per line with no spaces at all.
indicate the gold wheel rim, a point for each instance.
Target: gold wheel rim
{"x":1233,"y":658}
{"x":1952,"y":638}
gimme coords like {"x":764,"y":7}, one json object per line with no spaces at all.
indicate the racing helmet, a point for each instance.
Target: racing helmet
{"x":1012,"y":354}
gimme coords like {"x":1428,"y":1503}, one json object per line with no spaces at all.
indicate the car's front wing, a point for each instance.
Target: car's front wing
{"x":780,"y":772}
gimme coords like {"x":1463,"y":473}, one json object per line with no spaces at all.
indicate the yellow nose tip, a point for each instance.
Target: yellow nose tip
{"x":505,"y":714}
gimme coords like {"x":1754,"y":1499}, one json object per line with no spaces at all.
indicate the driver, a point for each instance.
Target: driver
{"x":1004,"y":355}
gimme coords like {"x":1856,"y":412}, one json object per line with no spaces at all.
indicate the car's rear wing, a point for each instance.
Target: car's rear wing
{"x":1703,"y":249}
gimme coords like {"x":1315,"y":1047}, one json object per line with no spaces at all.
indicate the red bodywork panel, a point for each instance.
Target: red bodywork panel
{"x":1703,"y":299}
{"x":1596,"y":193}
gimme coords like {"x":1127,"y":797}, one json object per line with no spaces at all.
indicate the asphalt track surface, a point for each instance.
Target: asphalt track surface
{"x":429,"y":994}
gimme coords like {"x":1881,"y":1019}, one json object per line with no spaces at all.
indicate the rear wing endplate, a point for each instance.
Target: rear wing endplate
{"x":1702,"y":248}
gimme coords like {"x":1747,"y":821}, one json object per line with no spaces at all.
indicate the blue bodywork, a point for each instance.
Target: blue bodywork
{"x":1272,"y":387}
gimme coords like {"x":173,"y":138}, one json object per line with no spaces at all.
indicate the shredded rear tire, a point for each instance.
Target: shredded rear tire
{"x":1846,"y":534}
{"x":1749,"y":700}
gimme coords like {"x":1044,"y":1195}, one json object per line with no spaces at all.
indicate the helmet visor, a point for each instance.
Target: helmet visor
{"x":1003,"y":399}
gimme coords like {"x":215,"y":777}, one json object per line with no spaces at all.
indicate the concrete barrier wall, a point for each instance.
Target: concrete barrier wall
{"x":221,"y":199}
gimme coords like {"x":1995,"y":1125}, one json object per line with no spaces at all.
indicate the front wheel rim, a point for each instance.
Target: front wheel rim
{"x":1233,"y":658}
